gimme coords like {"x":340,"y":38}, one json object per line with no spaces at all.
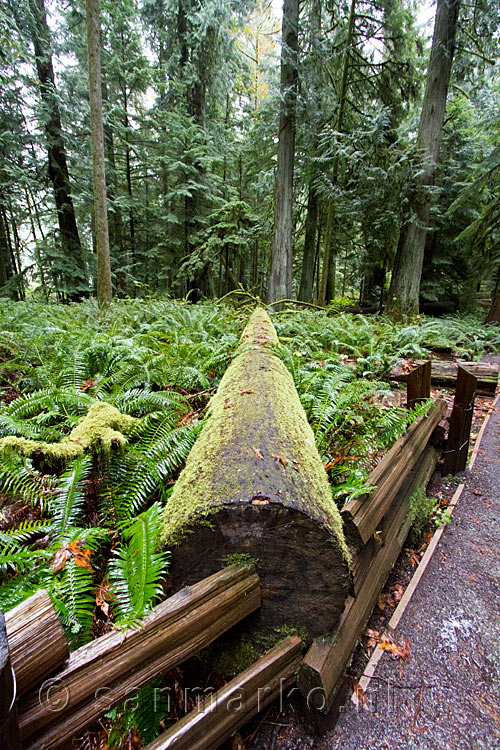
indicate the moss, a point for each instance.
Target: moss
{"x":101,"y":429}
{"x":256,"y":410}
{"x":242,"y":558}
{"x":266,"y":641}
{"x":231,"y":659}
{"x":421,"y":508}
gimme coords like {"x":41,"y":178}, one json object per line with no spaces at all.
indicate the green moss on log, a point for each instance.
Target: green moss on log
{"x":257,"y":390}
{"x":102,"y":429}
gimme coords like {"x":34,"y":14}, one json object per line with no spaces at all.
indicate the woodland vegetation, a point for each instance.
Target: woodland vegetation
{"x":164,"y":166}
{"x":306,"y":163}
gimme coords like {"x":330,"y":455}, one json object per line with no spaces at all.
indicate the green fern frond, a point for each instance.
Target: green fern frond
{"x":67,"y":503}
{"x":137,"y":570}
{"x":72,"y":590}
{"x":17,"y":477}
{"x":21,"y":560}
{"x":25,"y":531}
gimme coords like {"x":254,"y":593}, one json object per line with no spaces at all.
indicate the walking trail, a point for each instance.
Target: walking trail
{"x":446,"y":696}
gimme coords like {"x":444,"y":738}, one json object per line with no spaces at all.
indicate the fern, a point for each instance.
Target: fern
{"x":136,"y":572}
{"x":67,"y":504}
{"x":72,"y":590}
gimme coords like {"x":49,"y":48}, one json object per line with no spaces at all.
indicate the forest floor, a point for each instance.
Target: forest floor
{"x":444,"y":695}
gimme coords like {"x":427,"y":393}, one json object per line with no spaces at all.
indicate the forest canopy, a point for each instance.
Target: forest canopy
{"x":288,"y":151}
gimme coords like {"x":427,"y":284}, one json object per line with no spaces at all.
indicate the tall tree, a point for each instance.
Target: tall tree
{"x":403,"y":298}
{"x":280,"y":281}
{"x":104,"y":287}
{"x":74,"y":274}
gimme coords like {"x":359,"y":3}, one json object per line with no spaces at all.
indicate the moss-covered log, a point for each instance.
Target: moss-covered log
{"x":102,"y":429}
{"x":254,"y":485}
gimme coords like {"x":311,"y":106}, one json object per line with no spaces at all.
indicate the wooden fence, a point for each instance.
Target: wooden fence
{"x":38,"y":715}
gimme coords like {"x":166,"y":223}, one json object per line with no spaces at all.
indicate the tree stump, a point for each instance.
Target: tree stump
{"x":254,"y":485}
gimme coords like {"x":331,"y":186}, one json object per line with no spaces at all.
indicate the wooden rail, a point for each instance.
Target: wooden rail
{"x":457,"y":446}
{"x":37,"y":642}
{"x":363,"y":514}
{"x":9,"y":730}
{"x":103,"y":672}
{"x":219,"y":715}
{"x":418,"y":385}
{"x":445,"y":373}
{"x":324,"y":663}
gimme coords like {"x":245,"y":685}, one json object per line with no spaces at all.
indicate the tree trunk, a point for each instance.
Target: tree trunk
{"x":6,"y":269}
{"x":307,"y":275}
{"x":328,"y":271}
{"x":403,"y":297}
{"x":104,"y":287}
{"x":115,"y":220}
{"x":280,"y":281}
{"x":254,"y":485}
{"x":74,"y":275}
{"x":494,"y":311}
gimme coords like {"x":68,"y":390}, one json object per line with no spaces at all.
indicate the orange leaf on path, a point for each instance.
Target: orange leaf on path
{"x":258,"y":453}
{"x":398,"y":650}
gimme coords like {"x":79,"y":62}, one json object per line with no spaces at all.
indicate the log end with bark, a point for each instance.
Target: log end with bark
{"x":254,"y":485}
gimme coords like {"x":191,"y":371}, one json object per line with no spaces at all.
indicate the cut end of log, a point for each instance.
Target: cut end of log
{"x":304,"y":575}
{"x":254,"y":483}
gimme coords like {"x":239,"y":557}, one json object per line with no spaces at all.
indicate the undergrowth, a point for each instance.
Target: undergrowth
{"x":87,"y":530}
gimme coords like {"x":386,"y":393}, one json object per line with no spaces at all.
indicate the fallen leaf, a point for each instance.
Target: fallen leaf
{"x":245,"y":390}
{"x":476,"y":492}
{"x":373,"y":637}
{"x":258,"y":453}
{"x":228,"y":404}
{"x":132,"y":740}
{"x":74,"y":549}
{"x":59,"y":559}
{"x":280,"y":459}
{"x":103,"y":597}
{"x":414,"y":558}
{"x":397,"y":592}
{"x":358,"y":691}
{"x":398,"y":650}
{"x":88,"y":384}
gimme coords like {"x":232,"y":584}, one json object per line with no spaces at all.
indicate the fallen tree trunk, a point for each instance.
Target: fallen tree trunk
{"x":254,"y":484}
{"x":445,"y":373}
{"x":220,"y":714}
{"x":323,"y":666}
{"x":37,"y":642}
{"x":103,"y":672}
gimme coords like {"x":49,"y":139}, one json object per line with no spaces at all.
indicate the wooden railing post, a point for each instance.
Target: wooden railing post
{"x":457,"y":445}
{"x":418,"y":385}
{"x":9,"y":730}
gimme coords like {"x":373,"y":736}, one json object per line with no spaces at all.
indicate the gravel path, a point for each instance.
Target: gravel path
{"x":447,"y":696}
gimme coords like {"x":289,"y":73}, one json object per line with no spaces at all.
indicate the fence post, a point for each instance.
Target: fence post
{"x":9,"y":729}
{"x":457,"y":445}
{"x":418,"y":385}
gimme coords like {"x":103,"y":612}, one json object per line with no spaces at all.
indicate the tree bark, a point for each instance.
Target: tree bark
{"x":494,"y":311}
{"x":104,"y":286}
{"x":307,"y":275}
{"x":6,"y":269}
{"x":403,"y":297}
{"x":329,"y":269}
{"x":280,"y":281}
{"x":254,"y":485}
{"x":74,"y":276}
